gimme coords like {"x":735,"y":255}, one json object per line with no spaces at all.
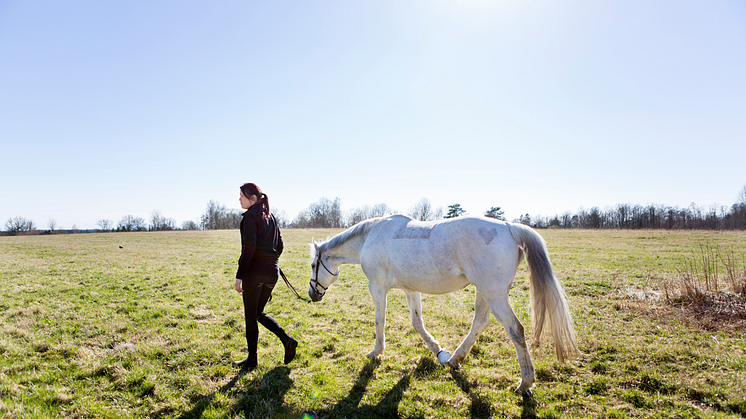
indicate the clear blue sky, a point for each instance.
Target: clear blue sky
{"x":113,"y":108}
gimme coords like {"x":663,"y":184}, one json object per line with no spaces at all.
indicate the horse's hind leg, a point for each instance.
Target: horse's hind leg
{"x":504,"y":314}
{"x":481,"y":321}
{"x":414,"y":301}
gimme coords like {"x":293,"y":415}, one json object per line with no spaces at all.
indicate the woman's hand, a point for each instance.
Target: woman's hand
{"x":239,"y":288}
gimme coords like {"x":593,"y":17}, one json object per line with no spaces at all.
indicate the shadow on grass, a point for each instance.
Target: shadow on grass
{"x":262,"y":397}
{"x":350,"y":406}
{"x":529,"y":407}
{"x":481,"y":407}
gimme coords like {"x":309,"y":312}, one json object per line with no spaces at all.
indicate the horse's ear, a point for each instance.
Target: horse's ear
{"x":313,"y":247}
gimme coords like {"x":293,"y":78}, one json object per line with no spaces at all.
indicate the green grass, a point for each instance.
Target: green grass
{"x":89,"y":329}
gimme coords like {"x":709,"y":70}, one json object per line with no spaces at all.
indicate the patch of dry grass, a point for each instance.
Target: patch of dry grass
{"x":708,"y":292}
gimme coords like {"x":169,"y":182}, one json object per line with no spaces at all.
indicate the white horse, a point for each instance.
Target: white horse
{"x":446,"y":256}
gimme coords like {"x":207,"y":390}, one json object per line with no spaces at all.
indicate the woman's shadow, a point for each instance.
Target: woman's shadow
{"x":260,"y":394}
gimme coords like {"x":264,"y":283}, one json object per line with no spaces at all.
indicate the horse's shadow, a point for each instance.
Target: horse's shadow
{"x":268,"y":391}
{"x":350,"y":406}
{"x":259,"y":394}
{"x":389,"y":405}
{"x":481,"y":407}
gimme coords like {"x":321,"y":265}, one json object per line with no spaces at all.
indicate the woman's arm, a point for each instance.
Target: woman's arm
{"x":248,"y":245}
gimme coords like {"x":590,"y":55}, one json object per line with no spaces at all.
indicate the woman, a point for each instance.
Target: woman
{"x":261,"y":246}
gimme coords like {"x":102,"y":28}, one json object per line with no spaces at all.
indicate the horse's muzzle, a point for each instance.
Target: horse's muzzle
{"x":314,"y":293}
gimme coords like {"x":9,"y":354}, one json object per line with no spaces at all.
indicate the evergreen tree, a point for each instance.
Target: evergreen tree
{"x":454,"y":211}
{"x":495,"y":212}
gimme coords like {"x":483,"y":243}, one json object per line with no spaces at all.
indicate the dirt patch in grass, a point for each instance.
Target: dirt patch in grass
{"x":708,"y":292}
{"x":692,"y":305}
{"x":724,"y":312}
{"x":719,"y":311}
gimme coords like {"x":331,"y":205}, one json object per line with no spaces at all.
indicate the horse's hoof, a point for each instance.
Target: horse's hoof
{"x":443,"y":356}
{"x":524,"y":391}
{"x":454,"y":366}
{"x":372,"y":355}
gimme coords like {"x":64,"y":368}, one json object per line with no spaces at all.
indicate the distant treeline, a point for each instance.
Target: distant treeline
{"x":329,"y":214}
{"x":626,"y":216}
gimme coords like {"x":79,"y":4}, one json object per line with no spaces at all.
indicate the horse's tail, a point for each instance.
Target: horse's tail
{"x":548,"y":299}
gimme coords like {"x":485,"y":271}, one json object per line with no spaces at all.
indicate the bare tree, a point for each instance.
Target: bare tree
{"x":360,"y":214}
{"x":381,"y":210}
{"x":189,"y":225}
{"x":281,"y":217}
{"x":438,"y":213}
{"x":328,"y":213}
{"x":218,"y":217}
{"x":160,"y":223}
{"x":366,"y":211}
{"x":104,"y":224}
{"x":335,"y":214}
{"x":52,"y":224}
{"x":323,"y":214}
{"x":131,"y":223}
{"x":17,"y":225}
{"x":422,"y":210}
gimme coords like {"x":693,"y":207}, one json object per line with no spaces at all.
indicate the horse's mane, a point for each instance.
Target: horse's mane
{"x":358,"y":229}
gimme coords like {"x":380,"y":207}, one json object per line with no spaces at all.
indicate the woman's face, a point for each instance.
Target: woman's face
{"x":246,"y":203}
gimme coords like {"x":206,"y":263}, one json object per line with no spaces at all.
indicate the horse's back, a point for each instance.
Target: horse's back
{"x":439,"y":256}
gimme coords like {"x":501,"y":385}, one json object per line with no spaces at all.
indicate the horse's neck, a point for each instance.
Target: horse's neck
{"x":348,"y":251}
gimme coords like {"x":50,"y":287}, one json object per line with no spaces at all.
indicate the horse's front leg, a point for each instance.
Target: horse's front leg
{"x":414,"y":301}
{"x":379,"y":302}
{"x":481,"y":321}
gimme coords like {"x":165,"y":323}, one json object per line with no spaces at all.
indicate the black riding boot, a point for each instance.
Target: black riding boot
{"x":289,"y":343}
{"x":249,"y":363}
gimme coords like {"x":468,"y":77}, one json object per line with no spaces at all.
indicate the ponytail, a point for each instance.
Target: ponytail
{"x":264,"y":201}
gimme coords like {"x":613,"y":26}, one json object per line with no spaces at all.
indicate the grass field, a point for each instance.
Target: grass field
{"x":89,"y":329}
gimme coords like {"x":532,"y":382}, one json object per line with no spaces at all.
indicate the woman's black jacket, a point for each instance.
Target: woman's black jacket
{"x":261,"y":244}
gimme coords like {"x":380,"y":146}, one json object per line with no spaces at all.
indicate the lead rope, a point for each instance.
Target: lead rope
{"x":284,"y":278}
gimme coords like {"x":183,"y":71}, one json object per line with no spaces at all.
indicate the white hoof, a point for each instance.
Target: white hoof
{"x":443,"y":356}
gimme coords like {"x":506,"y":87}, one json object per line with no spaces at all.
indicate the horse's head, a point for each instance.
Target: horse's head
{"x":322,"y":273}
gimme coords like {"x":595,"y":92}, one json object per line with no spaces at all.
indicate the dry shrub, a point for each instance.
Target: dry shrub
{"x":708,"y":293}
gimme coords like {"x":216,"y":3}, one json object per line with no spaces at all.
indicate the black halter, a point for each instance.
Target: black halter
{"x":314,"y":282}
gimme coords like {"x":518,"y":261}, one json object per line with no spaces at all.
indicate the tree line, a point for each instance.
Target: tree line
{"x":626,"y":216}
{"x":328,"y":213}
{"x":216,"y":217}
